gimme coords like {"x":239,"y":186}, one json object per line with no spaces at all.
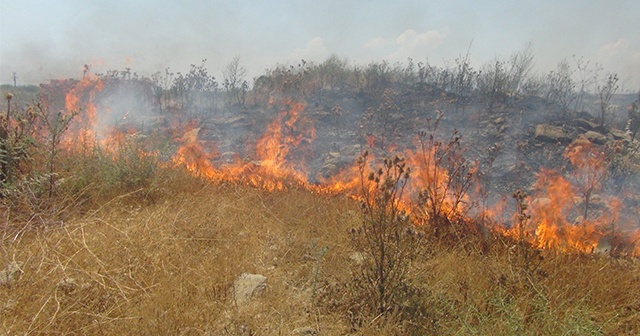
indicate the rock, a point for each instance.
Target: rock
{"x":248,"y":285}
{"x":498,"y":121}
{"x":10,"y":274}
{"x":586,"y":124}
{"x":232,"y":121}
{"x":541,"y":202}
{"x":337,"y":160}
{"x":605,"y":245}
{"x":228,"y":158}
{"x":305,"y":331}
{"x":8,"y":306}
{"x":596,"y":137}
{"x":550,"y":133}
{"x":357,"y":257}
{"x":67,"y":285}
{"x":619,"y":135}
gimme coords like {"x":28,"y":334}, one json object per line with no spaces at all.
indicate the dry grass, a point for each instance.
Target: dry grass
{"x":134,"y":267}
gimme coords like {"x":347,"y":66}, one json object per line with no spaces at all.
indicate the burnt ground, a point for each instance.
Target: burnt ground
{"x":337,"y":125}
{"x":531,"y":134}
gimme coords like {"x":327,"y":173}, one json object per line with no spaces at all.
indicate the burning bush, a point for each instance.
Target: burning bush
{"x":387,"y":238}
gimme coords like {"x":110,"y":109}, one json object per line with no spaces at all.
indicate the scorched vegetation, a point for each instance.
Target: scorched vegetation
{"x":386,"y":199}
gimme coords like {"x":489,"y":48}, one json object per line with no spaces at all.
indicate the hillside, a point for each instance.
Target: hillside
{"x":325,"y":199}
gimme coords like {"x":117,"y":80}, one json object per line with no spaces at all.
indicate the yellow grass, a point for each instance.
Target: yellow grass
{"x":134,"y":267}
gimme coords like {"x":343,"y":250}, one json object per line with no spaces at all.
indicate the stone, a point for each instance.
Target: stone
{"x":550,"y":133}
{"x":305,"y":331}
{"x":357,"y":257}
{"x":67,"y":285}
{"x":596,"y":137}
{"x":10,"y":274}
{"x":586,"y":124}
{"x":228,"y":157}
{"x":248,"y":285}
{"x":619,"y":135}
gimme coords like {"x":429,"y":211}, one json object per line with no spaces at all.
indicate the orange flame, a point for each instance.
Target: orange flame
{"x":80,"y":99}
{"x":562,"y":209}
{"x":567,"y":212}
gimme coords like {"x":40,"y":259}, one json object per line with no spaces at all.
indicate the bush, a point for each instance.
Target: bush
{"x":387,"y":238}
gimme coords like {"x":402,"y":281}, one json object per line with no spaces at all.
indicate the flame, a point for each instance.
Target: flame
{"x":568,"y":211}
{"x":285,"y":134}
{"x":193,"y":156}
{"x":80,"y":99}
{"x":561,"y":209}
{"x":272,"y":168}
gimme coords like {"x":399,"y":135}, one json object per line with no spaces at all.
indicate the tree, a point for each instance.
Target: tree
{"x":493,"y":82}
{"x":194,"y":89}
{"x":464,"y":80}
{"x":387,"y":239}
{"x":587,"y":77}
{"x":234,"y":83}
{"x":633,"y":123}
{"x":520,"y":64}
{"x":605,"y":93}
{"x":560,"y":87}
{"x":590,"y":170}
{"x":17,"y":131}
{"x":55,"y":124}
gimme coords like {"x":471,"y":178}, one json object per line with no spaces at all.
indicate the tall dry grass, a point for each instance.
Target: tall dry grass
{"x":131,"y":266}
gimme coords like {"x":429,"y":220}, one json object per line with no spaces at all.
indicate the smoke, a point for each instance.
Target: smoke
{"x":46,"y":40}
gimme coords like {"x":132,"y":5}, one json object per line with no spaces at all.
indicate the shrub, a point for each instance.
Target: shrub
{"x":387,"y":238}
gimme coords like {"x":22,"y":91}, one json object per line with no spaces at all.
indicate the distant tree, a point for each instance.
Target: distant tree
{"x":333,"y":72}
{"x":377,"y":77}
{"x":465,"y":78}
{"x":409,"y":72}
{"x":560,"y":87}
{"x":194,"y":90}
{"x":606,"y":91}
{"x":587,"y":77}
{"x":234,"y":83}
{"x":633,"y":123}
{"x":520,"y":64}
{"x":493,"y":82}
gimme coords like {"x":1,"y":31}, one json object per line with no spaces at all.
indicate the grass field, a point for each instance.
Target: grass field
{"x":139,"y":265}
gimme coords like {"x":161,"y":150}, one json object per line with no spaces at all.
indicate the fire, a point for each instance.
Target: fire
{"x":568,"y":214}
{"x":288,"y":132}
{"x":552,"y":230}
{"x":567,"y":211}
{"x":193,"y":156}
{"x":273,"y":168}
{"x":80,"y":99}
{"x":433,"y":183}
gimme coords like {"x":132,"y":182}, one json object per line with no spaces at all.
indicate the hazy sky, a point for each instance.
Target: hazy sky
{"x":41,"y":40}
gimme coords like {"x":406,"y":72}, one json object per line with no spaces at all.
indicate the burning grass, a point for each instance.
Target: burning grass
{"x":127,"y":232}
{"x":130,"y":267}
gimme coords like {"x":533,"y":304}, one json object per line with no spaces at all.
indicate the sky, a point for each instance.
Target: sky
{"x":43,"y":40}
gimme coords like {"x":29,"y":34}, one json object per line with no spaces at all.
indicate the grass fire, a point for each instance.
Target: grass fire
{"x":322,"y":199}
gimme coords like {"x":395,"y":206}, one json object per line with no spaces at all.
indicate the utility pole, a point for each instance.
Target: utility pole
{"x":15,"y":77}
